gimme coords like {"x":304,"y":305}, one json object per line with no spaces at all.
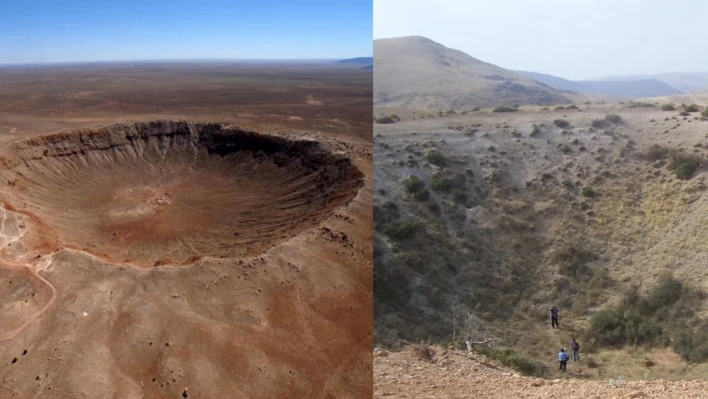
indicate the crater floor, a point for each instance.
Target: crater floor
{"x":173,"y":192}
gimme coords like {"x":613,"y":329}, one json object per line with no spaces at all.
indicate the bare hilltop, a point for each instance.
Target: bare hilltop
{"x":416,"y":72}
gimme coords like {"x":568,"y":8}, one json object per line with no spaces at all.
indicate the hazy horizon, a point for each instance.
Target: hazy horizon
{"x":571,"y":40}
{"x":73,"y":31}
{"x":187,"y":60}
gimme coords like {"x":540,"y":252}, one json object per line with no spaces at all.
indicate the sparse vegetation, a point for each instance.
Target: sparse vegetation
{"x":658,"y":318}
{"x":435,"y":157}
{"x":668,"y":107}
{"x":388,"y":119}
{"x":413,"y":184}
{"x":600,"y":124}
{"x":510,"y":358}
{"x":561,"y":123}
{"x":613,"y":118}
{"x":691,"y":108}
{"x":403,"y":229}
{"x":638,"y":104}
{"x":685,"y":169}
{"x":535,"y":131}
{"x":587,"y":192}
{"x":504,"y":109}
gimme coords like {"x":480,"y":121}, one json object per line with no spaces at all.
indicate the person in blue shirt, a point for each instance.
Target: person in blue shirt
{"x":562,"y":360}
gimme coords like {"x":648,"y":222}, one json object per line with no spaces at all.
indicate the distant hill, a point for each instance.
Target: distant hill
{"x":684,"y":81}
{"x":554,"y":81}
{"x":416,"y":72}
{"x":358,"y":61}
{"x":631,"y":88}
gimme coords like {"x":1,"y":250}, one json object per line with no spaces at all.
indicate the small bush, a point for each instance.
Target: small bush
{"x":600,"y":124}
{"x":510,"y":358}
{"x":656,"y":153}
{"x":613,"y":118}
{"x":403,"y":229}
{"x":561,"y":123}
{"x":572,"y":106}
{"x":685,"y":169}
{"x":691,"y":108}
{"x":639,"y":104}
{"x":684,"y":113}
{"x":587,"y":192}
{"x":668,"y":107}
{"x":705,"y":112}
{"x":435,"y":158}
{"x":422,"y":195}
{"x":504,"y":109}
{"x":388,"y":119}
{"x":413,"y":184}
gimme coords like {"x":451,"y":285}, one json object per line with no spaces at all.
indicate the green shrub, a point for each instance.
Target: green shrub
{"x":587,"y":192}
{"x":691,"y":108}
{"x":704,"y":113}
{"x":654,"y":319}
{"x":572,"y":106}
{"x":402,"y":229}
{"x":435,"y":157}
{"x":685,"y":169}
{"x":613,"y":118}
{"x":561,"y":123}
{"x":504,"y":109}
{"x":413,"y":184}
{"x":510,"y":358}
{"x":668,"y":107}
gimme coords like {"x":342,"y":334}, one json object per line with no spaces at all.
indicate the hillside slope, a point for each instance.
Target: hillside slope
{"x":484,"y":221}
{"x":419,"y":73}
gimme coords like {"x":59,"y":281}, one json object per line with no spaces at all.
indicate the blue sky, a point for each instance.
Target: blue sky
{"x":574,"y":39}
{"x":38,"y":31}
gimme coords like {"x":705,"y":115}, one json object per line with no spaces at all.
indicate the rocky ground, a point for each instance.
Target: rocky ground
{"x":460,"y":374}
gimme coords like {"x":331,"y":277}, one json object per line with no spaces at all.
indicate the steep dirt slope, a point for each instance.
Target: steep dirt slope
{"x":419,"y":73}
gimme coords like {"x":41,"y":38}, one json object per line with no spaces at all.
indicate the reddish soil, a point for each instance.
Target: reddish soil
{"x":150,"y":259}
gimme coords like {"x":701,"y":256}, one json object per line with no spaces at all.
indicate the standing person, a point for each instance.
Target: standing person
{"x":562,"y":360}
{"x":554,"y":317}
{"x":576,"y":350}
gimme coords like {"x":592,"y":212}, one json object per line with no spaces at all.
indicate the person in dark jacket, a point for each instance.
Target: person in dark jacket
{"x":554,"y":317}
{"x":575,"y":346}
{"x":562,"y":360}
